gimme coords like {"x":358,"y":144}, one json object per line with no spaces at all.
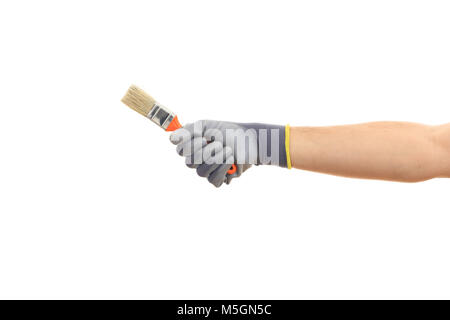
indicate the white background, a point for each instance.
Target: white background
{"x":95,"y":202}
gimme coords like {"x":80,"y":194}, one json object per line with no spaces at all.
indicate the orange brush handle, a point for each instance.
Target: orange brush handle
{"x":175,"y":124}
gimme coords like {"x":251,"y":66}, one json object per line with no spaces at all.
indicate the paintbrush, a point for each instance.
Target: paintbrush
{"x":138,"y":100}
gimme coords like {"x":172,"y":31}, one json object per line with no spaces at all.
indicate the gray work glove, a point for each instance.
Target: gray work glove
{"x":212,"y":147}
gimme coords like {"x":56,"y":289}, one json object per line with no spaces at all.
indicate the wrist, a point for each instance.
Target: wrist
{"x":273,"y":143}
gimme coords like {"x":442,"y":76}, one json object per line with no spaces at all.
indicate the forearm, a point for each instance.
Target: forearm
{"x":396,"y":151}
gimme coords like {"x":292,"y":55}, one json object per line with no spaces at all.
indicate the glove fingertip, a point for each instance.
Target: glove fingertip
{"x":175,"y":137}
{"x":216,"y":183}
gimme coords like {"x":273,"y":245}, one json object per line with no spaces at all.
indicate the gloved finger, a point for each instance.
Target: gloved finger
{"x":211,"y":150}
{"x":191,"y":146}
{"x":219,"y":156}
{"x":214,"y":135}
{"x":212,"y":158}
{"x":180,"y":136}
{"x":195,"y":159}
{"x":198,"y":157}
{"x":218,"y":176}
{"x":204,"y":169}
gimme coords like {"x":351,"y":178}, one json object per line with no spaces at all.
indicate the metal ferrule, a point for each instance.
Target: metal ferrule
{"x":161,"y":115}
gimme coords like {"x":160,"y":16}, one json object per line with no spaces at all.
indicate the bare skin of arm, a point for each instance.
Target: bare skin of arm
{"x":396,"y":151}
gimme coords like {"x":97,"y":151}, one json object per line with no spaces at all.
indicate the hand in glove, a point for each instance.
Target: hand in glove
{"x":211,"y":147}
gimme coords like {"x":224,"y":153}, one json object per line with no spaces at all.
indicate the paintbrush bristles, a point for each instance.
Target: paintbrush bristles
{"x":138,"y":100}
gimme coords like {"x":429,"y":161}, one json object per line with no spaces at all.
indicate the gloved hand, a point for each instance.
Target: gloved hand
{"x":212,"y":147}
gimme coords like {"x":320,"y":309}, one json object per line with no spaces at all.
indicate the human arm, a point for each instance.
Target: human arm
{"x":397,"y":151}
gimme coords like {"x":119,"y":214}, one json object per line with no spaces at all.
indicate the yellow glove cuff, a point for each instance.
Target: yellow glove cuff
{"x":287,"y":142}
